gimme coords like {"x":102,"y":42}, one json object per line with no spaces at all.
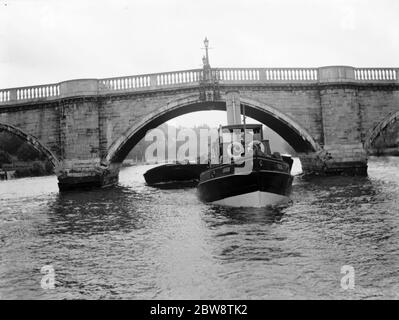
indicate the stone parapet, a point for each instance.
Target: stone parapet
{"x":190,"y":78}
{"x":80,"y":87}
{"x":336,"y":74}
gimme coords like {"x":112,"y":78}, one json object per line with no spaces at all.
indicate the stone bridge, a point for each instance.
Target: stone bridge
{"x":86,"y":127}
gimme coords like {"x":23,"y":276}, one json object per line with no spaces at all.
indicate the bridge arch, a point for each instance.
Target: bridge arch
{"x":299,"y":139}
{"x":374,"y":132}
{"x":30,"y":140}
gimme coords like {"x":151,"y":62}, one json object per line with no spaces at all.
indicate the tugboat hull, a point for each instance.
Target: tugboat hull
{"x":257,"y":189}
{"x":256,"y":199}
{"x":268,"y":183}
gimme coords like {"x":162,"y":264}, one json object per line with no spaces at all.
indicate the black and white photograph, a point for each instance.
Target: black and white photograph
{"x":224,"y":151}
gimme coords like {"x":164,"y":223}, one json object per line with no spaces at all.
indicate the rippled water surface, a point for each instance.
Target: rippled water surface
{"x":138,"y":242}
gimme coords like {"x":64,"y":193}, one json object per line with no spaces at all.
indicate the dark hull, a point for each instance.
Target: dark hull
{"x":78,"y":183}
{"x":268,"y":181}
{"x":173,"y":175}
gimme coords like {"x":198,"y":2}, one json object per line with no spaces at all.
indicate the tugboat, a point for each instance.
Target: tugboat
{"x":256,"y":178}
{"x":174,"y":175}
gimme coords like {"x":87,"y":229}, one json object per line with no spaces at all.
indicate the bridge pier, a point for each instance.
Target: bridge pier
{"x":341,"y":116}
{"x":349,"y":159}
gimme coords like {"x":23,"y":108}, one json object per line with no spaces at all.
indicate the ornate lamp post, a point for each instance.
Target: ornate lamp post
{"x":205,"y":60}
{"x":206,"y":43}
{"x":208,"y":82}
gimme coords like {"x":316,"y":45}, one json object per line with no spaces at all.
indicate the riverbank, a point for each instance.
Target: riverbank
{"x":23,"y":169}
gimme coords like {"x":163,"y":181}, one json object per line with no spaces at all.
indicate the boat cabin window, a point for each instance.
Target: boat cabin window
{"x":234,"y":139}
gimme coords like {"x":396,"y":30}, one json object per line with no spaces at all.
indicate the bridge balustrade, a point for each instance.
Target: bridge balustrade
{"x":291,"y":74}
{"x":190,"y":78}
{"x":235,"y":74}
{"x":29,"y":93}
{"x":376,"y":74}
{"x":4,"y":95}
{"x":37,"y":92}
{"x":152,"y":81}
{"x":181,"y":77}
{"x":125,"y":83}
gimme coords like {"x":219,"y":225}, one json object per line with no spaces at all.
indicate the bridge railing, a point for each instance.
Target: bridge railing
{"x":150,"y":81}
{"x":4,"y":96}
{"x":124,"y":83}
{"x":23,"y":94}
{"x":192,"y":78}
{"x":291,"y":74}
{"x":238,"y":74}
{"x":376,"y":74}
{"x":267,"y":74}
{"x":37,"y":92}
{"x":177,"y":78}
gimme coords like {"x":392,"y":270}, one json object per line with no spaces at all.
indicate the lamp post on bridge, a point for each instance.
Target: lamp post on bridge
{"x":207,"y":76}
{"x":206,"y":58}
{"x":209,"y":89}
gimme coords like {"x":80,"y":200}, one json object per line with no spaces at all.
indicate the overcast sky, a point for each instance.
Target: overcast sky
{"x":45,"y":41}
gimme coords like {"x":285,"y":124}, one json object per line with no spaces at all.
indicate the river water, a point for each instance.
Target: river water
{"x":138,"y":242}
